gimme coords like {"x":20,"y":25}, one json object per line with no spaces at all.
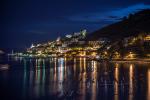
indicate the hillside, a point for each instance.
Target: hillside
{"x":130,"y":26}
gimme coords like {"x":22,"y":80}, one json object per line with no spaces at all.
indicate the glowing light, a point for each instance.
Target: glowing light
{"x":4,"y":67}
{"x":105,"y":53}
{"x":83,"y":53}
{"x":61,"y":69}
{"x":148,"y":83}
{"x":131,"y":55}
{"x":58,"y":39}
{"x":94,"y":84}
{"x":84,"y":64}
{"x":131,"y":86}
{"x":32,"y":46}
{"x":116,"y":55}
{"x":147,"y":38}
{"x":82,"y":84}
{"x":80,"y":64}
{"x":116,"y":76}
{"x":94,"y":54}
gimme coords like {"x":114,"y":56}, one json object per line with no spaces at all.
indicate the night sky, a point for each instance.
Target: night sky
{"x":31,"y":21}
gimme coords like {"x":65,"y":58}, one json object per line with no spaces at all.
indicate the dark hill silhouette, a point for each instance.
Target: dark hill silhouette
{"x":130,"y":26}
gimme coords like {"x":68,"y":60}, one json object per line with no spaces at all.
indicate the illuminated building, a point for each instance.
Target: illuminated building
{"x":131,"y":55}
{"x":68,"y":36}
{"x":32,"y":46}
{"x":147,"y":38}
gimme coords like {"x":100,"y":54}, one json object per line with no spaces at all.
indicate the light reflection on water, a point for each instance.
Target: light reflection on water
{"x":131,"y":81}
{"x":116,"y":82}
{"x":148,"y":83}
{"x":82,"y":79}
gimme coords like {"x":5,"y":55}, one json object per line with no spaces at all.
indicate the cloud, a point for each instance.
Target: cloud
{"x":109,"y":16}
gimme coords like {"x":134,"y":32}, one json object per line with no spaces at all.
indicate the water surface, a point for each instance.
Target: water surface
{"x":73,"y":79}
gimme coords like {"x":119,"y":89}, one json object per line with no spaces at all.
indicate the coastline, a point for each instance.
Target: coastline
{"x":140,"y":60}
{"x":133,"y":60}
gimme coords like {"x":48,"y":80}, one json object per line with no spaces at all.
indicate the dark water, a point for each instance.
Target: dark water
{"x":73,"y":79}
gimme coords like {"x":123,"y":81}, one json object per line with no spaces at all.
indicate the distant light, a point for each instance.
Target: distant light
{"x":147,"y":38}
{"x":4,"y":67}
{"x":68,"y":36}
{"x":32,"y":46}
{"x":58,"y":39}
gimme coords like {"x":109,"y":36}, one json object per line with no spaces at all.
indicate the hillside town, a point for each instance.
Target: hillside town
{"x":76,"y":45}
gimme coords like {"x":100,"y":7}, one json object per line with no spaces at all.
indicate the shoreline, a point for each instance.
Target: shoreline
{"x":132,"y":60}
{"x":138,"y":60}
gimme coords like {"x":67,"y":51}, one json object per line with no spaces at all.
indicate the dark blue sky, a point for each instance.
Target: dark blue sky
{"x":30,"y":21}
